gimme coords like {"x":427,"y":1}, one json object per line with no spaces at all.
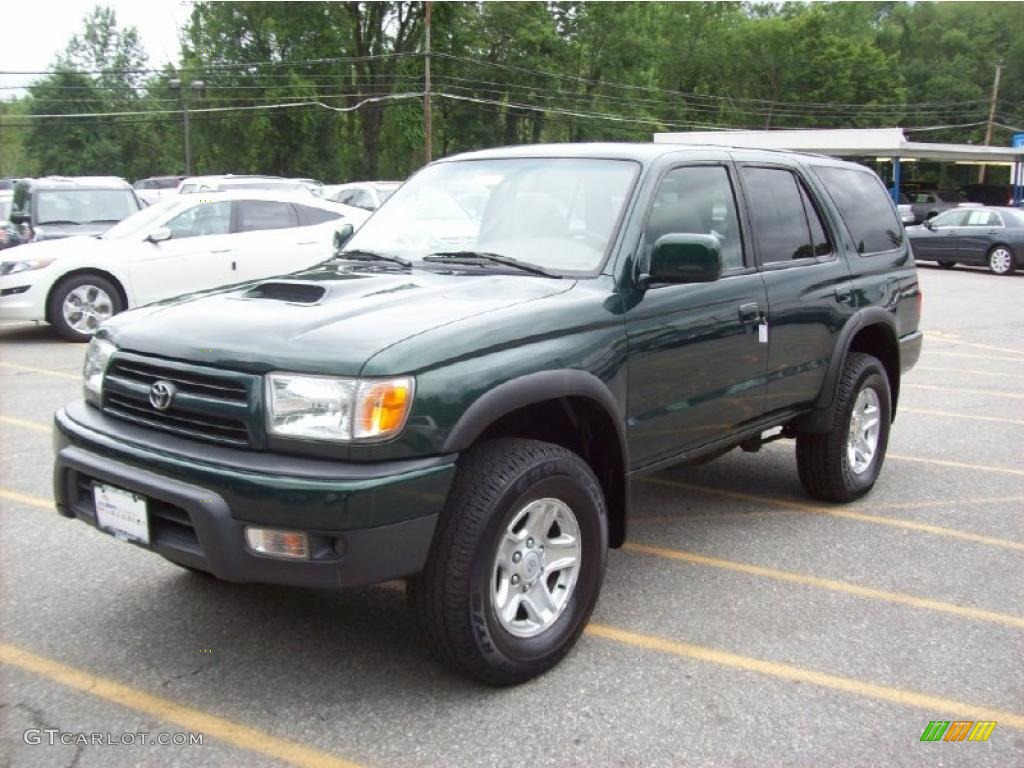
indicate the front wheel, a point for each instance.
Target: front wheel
{"x":1001,"y":260}
{"x":79,"y":304}
{"x":517,"y":561}
{"x":843,"y":463}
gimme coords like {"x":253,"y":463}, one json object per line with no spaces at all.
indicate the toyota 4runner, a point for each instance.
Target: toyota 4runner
{"x":463,"y":394}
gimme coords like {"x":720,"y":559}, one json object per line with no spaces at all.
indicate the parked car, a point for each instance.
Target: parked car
{"x":905,"y":210}
{"x":152,"y":189}
{"x":10,"y":234}
{"x":230,"y":182}
{"x":989,"y":194}
{"x":178,"y":245}
{"x":470,"y":416}
{"x":368,"y":195}
{"x":55,"y":207}
{"x":928,"y":203}
{"x":992,"y":237}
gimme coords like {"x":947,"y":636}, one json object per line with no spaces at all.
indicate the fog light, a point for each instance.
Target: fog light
{"x":269,"y":541}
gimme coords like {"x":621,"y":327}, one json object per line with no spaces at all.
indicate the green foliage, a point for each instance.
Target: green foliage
{"x":508,"y":73}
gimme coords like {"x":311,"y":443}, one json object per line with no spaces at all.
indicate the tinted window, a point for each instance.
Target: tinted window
{"x":310,"y":215}
{"x":780,"y":219}
{"x":819,"y":239}
{"x":265,"y":214}
{"x":203,"y":219}
{"x":697,"y":200}
{"x":865,"y":207}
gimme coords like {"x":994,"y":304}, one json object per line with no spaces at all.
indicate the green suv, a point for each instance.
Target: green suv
{"x":463,"y":394}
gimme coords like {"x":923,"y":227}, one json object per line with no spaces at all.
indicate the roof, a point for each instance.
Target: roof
{"x":845,"y":142}
{"x":77,"y":182}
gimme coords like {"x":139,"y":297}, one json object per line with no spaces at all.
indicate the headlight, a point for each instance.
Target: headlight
{"x":328,"y":408}
{"x":97,"y":357}
{"x":13,"y":267}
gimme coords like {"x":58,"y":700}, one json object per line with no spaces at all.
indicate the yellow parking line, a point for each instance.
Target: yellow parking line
{"x":969,"y":356}
{"x":948,"y":502}
{"x":991,"y":392}
{"x":938,"y":336}
{"x":21,"y":498}
{"x":33,"y":425}
{"x":832,"y":585}
{"x":956,"y":464}
{"x":847,"y":514}
{"x":195,"y":720}
{"x":927,"y":702}
{"x":45,"y":371}
{"x":971,"y":372}
{"x":952,"y":415}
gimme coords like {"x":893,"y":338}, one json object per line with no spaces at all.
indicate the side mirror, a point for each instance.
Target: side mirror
{"x":929,"y":224}
{"x":342,"y":235}
{"x":685,"y":258}
{"x":19,"y":217}
{"x":159,"y":235}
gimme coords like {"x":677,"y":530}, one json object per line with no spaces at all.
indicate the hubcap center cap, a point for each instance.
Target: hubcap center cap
{"x":533,"y":564}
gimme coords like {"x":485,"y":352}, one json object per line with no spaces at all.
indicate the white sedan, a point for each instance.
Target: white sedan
{"x":176,"y":246}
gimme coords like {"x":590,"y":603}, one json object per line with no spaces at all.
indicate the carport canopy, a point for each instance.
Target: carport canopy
{"x":878,"y":143}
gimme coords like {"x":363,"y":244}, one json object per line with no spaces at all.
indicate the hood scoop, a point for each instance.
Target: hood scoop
{"x":293,"y":293}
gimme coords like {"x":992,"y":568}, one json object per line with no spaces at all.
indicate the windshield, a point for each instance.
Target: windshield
{"x":386,"y":190}
{"x":84,"y":206}
{"x":141,"y":223}
{"x":557,"y":213}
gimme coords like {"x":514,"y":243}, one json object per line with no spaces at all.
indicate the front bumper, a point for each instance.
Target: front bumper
{"x":22,"y":297}
{"x":367,"y":523}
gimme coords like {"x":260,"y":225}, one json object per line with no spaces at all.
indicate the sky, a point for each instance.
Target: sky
{"x":42,"y":28}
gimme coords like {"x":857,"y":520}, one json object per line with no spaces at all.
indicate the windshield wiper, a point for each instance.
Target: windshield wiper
{"x":101,"y":221}
{"x":476,"y":257}
{"x":57,"y":221}
{"x":372,"y":256}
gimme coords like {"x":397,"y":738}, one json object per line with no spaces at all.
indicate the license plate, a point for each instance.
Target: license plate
{"x":121,"y":513}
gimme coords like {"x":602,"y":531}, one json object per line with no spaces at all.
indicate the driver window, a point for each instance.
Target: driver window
{"x":202,"y":219}
{"x":696,"y":200}
{"x":950,"y":219}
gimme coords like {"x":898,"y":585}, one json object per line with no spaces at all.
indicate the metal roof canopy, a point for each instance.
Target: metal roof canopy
{"x":848,"y":142}
{"x":878,"y":143}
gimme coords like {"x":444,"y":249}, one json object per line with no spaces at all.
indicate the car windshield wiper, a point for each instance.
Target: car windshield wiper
{"x":101,"y":221}
{"x":476,"y":257}
{"x":57,"y":221}
{"x":372,"y":256}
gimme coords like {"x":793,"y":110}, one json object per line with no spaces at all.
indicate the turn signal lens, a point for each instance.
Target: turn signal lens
{"x":381,"y":407}
{"x":293,"y":545}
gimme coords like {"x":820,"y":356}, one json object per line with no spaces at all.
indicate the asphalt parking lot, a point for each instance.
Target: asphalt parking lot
{"x":744,"y":624}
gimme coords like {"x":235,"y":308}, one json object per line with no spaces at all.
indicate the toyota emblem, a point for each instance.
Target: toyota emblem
{"x":161,"y":395}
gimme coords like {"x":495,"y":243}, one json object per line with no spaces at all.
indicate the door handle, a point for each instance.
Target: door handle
{"x":844,"y":294}
{"x":750,"y":313}
{"x":309,"y":242}
{"x":223,"y":250}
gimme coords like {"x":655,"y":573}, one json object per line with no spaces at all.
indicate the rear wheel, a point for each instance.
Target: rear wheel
{"x":1001,"y":260}
{"x":843,"y":463}
{"x":517,"y":561}
{"x":79,"y":304}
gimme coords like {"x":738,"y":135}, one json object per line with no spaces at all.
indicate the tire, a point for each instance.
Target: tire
{"x":1001,"y":260}
{"x":947,"y":264}
{"x":469,"y":573}
{"x":824,"y":463}
{"x":98,"y":296}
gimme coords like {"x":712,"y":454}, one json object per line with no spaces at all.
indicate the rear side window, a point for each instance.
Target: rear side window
{"x":309,"y":215}
{"x":865,"y":207}
{"x":265,"y":214}
{"x":786,"y":223}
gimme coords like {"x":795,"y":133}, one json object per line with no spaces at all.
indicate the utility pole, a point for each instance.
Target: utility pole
{"x":197,"y":88}
{"x":427,"y":126}
{"x":991,"y":117}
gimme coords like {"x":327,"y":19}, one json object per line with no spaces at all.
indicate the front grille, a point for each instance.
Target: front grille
{"x":207,"y":405}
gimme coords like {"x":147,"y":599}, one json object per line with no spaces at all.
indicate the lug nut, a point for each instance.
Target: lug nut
{"x":529,"y":543}
{"x":515,"y":579}
{"x":517,"y":556}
